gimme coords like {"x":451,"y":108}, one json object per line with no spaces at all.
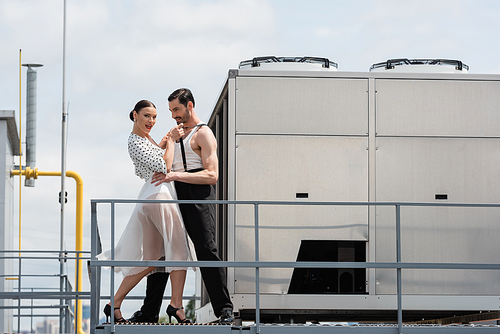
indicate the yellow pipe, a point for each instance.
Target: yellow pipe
{"x":34,"y":173}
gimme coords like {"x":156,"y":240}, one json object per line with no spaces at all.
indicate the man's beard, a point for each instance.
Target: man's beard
{"x":184,"y":118}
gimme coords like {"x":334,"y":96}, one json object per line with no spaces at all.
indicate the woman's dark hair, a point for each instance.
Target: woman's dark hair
{"x":184,"y":95}
{"x":139,"y":105}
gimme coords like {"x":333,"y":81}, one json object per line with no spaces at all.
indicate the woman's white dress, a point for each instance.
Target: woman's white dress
{"x":155,"y":230}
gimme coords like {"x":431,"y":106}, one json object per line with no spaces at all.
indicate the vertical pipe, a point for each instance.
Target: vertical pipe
{"x":31,"y":120}
{"x":30,"y":123}
{"x":257,"y":283}
{"x":398,"y":258}
{"x":78,"y":246}
{"x":63,"y":167}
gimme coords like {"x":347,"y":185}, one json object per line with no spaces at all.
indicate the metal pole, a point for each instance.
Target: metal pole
{"x":94,"y":298}
{"x":257,"y":284}
{"x":31,"y":313}
{"x":69,"y":316}
{"x":112,"y":288}
{"x":20,"y":149}
{"x":19,"y":300}
{"x":63,"y":169}
{"x":398,"y":258}
{"x":77,"y":299}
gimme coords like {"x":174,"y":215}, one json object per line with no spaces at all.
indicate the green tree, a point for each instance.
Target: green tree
{"x":190,"y":314}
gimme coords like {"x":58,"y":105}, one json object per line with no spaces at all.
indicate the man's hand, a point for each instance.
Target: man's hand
{"x":159,"y":178}
{"x":177,"y":132}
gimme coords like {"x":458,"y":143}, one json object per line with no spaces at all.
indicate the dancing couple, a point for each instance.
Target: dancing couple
{"x":184,"y":166}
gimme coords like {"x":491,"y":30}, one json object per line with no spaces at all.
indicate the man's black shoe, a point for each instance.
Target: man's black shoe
{"x":226,"y":317}
{"x":139,"y":317}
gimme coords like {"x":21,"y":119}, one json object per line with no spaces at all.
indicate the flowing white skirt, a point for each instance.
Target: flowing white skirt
{"x":153,"y":231}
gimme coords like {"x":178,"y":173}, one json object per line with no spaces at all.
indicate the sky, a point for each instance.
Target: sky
{"x":121,"y":51}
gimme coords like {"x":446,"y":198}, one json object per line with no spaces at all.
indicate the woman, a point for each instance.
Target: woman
{"x":155,"y":230}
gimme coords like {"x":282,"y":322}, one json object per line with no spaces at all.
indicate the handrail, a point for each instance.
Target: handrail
{"x":299,"y":264}
{"x":398,"y":265}
{"x":300,"y":203}
{"x":47,"y":293}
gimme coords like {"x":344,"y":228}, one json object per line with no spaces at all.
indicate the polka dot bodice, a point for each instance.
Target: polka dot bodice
{"x":146,"y":156}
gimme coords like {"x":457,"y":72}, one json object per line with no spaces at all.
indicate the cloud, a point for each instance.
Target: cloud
{"x":424,"y":28}
{"x":382,"y":10}
{"x":326,"y":32}
{"x":163,"y":41}
{"x":387,"y":48}
{"x":34,"y":26}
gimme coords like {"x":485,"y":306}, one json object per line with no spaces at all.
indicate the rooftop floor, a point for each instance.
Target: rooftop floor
{"x":295,"y":329}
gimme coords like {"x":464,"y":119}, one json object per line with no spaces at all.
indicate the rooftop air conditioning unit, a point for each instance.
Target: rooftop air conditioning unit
{"x":421,"y":66}
{"x":289,"y":63}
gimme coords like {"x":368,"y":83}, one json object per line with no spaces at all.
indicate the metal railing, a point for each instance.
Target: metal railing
{"x":95,"y":265}
{"x":65,"y":295}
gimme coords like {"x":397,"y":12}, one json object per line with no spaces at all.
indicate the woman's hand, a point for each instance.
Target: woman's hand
{"x":164,"y":141}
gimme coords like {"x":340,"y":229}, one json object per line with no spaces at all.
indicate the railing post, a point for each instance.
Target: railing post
{"x":94,"y":283}
{"x":31,"y":312}
{"x":69,"y":316}
{"x":257,"y":284}
{"x":112,"y":273}
{"x":95,"y":272}
{"x":77,"y":299}
{"x":398,"y":259}
{"x":19,"y":300}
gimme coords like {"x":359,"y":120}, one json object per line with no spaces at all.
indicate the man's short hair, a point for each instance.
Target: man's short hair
{"x":184,"y":95}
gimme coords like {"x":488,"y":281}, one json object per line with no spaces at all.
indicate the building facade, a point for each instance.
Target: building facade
{"x":9,"y":148}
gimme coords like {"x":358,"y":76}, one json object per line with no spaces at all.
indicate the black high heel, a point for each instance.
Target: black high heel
{"x":172,"y":312}
{"x":107,"y":312}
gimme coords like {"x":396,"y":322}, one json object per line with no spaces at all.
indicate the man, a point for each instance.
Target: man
{"x":195,"y":171}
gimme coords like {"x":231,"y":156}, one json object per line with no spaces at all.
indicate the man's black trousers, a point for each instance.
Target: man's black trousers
{"x":199,"y":220}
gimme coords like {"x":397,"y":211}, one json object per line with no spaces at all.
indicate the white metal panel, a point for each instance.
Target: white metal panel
{"x":366,"y":302}
{"x":438,"y":108}
{"x":302,"y":105}
{"x":372,"y":144}
{"x":415,"y":170}
{"x":231,"y":175}
{"x":278,"y":167}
